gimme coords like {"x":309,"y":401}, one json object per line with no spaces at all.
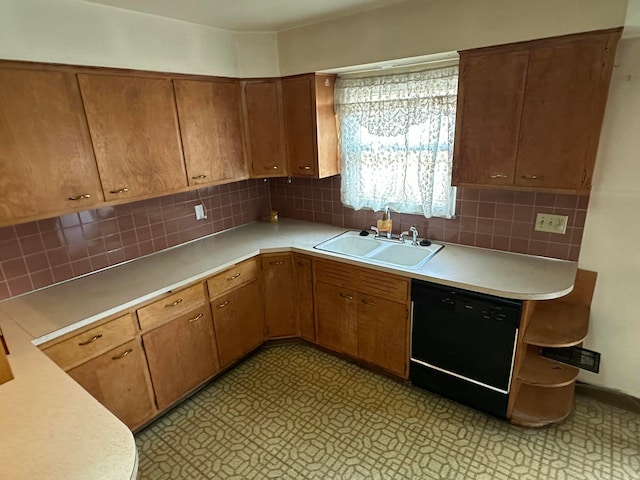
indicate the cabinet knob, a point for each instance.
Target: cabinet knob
{"x":120,"y":190}
{"x":233,"y":277}
{"x":222,"y":305}
{"x":498,"y":175}
{"x":533,"y":177}
{"x":346,"y":296}
{"x":366,"y":302}
{"x":123,"y":354}
{"x":304,"y":167}
{"x":80,"y":197}
{"x":279,"y":262}
{"x":91,"y":340}
{"x":177,"y":302}
{"x":273,"y":167}
{"x":196,"y":318}
{"x":198,"y":177}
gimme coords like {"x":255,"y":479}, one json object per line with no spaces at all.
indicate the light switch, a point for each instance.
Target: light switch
{"x":547,"y":222}
{"x":200,"y":212}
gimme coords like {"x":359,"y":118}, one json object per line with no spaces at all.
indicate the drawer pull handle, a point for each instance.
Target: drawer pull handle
{"x":196,"y":318}
{"x":120,"y":190}
{"x":91,"y":340}
{"x":177,"y":302}
{"x":123,"y":354}
{"x":279,"y":262}
{"x":533,"y":177}
{"x":498,"y":175}
{"x":305,"y":167}
{"x":80,"y":197}
{"x":366,"y":302}
{"x":348,"y":297}
{"x":233,"y":277}
{"x":274,"y":167}
{"x":198,"y":177}
{"x":222,"y":305}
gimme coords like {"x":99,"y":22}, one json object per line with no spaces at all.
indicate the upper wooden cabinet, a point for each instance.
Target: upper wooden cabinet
{"x":134,"y":128}
{"x":210,"y":115}
{"x":46,"y":158}
{"x":310,"y":125}
{"x":529,"y":115}
{"x":264,"y":127}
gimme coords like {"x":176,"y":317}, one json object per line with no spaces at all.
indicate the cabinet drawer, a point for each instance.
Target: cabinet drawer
{"x":233,"y":277}
{"x":389,"y":287}
{"x":171,"y":307}
{"x":336,"y":273}
{"x":91,"y":343}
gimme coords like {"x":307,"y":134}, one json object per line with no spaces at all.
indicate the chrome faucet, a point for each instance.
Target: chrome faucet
{"x":387,"y":216}
{"x":414,"y":231}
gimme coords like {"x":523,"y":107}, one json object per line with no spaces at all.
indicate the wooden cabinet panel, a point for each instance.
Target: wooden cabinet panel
{"x":233,"y":277}
{"x":182,"y":354}
{"x":134,"y":128}
{"x":171,"y":306}
{"x":382,"y":333}
{"x":303,"y":293}
{"x":46,"y":159}
{"x":310,"y":125}
{"x":238,"y":318}
{"x":490,"y":93}
{"x":391,"y":287}
{"x":277,"y":277}
{"x":210,"y":115}
{"x":119,"y":380}
{"x":336,"y":318}
{"x":95,"y":341}
{"x":563,"y":107}
{"x":264,"y":128}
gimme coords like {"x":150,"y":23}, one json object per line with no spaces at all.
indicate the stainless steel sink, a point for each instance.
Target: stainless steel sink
{"x":379,"y":250}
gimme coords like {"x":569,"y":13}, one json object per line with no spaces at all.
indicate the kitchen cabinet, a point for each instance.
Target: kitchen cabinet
{"x":134,"y":128}
{"x":303,"y":293}
{"x":363,"y":313}
{"x":46,"y":160}
{"x":278,"y":289}
{"x":178,"y":337}
{"x":529,"y":114}
{"x":238,"y":311}
{"x":210,"y":114}
{"x":264,"y":128}
{"x":310,"y":125}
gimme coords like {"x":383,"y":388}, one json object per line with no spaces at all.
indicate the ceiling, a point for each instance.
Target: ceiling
{"x":249,"y":15}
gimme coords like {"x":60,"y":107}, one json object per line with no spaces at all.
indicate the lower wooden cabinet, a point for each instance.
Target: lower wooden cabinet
{"x":182,"y":354}
{"x":337,"y":318}
{"x":119,"y":380}
{"x":238,"y":319}
{"x":278,"y":285}
{"x":303,"y":293}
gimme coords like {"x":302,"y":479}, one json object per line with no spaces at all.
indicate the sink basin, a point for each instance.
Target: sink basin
{"x":379,"y":250}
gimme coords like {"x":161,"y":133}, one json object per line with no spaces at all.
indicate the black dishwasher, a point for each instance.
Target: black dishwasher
{"x":463,"y":345}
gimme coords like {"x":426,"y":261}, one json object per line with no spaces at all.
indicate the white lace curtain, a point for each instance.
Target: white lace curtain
{"x":396,"y":141}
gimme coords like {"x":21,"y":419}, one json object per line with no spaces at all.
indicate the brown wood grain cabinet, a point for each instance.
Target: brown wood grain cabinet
{"x":336,"y":318}
{"x":278,"y":293}
{"x":310,"y":125}
{"x":210,"y":114}
{"x":119,"y":379}
{"x":134,"y":128}
{"x":303,"y":296}
{"x":47,"y":164}
{"x":529,"y":115}
{"x":264,"y":127}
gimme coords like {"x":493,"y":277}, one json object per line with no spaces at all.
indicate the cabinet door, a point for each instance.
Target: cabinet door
{"x":277,"y":276}
{"x":181,"y":354}
{"x":264,"y":128}
{"x":303,"y":301}
{"x":134,"y":128}
{"x":238,"y":318}
{"x":211,"y":124}
{"x":46,"y":159}
{"x":382,"y":333}
{"x":563,"y":108}
{"x":336,"y":318}
{"x":490,"y":95}
{"x":119,"y":380}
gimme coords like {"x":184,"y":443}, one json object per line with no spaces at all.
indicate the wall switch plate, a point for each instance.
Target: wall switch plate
{"x":547,"y":222}
{"x":200,"y":215}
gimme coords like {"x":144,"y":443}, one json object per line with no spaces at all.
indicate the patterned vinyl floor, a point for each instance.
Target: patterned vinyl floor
{"x":293,"y":412}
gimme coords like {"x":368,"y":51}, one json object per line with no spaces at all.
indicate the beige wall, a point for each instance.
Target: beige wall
{"x":76,"y":32}
{"x":611,"y":243}
{"x":422,"y":27}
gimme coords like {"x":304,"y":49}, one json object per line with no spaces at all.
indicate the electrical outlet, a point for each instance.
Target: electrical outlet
{"x":547,"y":222}
{"x":200,"y":212}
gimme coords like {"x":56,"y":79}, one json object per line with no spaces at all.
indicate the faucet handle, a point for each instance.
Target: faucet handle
{"x":414,"y":231}
{"x":375,"y":229}
{"x":402,"y":235}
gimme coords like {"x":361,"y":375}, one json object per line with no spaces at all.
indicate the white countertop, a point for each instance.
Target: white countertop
{"x":50,"y":422}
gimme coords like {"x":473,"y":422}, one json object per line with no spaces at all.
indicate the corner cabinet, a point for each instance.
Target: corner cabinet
{"x":278,"y":288}
{"x":529,"y":114}
{"x":310,"y":125}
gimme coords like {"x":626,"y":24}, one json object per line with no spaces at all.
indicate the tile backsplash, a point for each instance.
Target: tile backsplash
{"x":40,"y":253}
{"x":498,"y":219}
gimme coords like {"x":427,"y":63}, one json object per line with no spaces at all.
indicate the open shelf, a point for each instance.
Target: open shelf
{"x":557,"y":324}
{"x":537,"y":407}
{"x":544,"y":372}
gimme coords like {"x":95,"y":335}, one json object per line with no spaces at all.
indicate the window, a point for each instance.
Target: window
{"x":396,"y":141}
